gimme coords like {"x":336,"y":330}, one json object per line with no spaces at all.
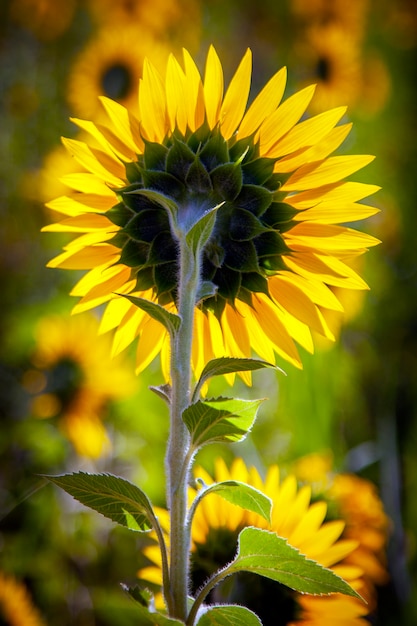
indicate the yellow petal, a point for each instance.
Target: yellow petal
{"x":176,"y":95}
{"x":328,"y":238}
{"x":283,"y":119}
{"x":286,"y":293}
{"x":87,"y":157}
{"x":264,"y":104}
{"x":72,"y":207}
{"x":152,"y":104}
{"x":317,"y":152}
{"x":194,"y":93}
{"x":123,"y":124}
{"x":88,"y":183}
{"x":213,"y":87}
{"x":324,"y":172}
{"x":267,"y":316}
{"x":80,"y":223}
{"x":307,"y":133}
{"x":234,"y":103}
{"x":149,"y":345}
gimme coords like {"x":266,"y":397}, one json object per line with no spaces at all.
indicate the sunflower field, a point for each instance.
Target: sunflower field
{"x":278,"y":142}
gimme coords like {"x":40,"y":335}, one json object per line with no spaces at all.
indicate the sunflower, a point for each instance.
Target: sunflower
{"x":331,"y":56}
{"x":217,"y":524}
{"x":16,"y":606}
{"x":111,"y":65}
{"x":278,"y":245}
{"x":74,"y":379}
{"x":356,"y":501}
{"x":160,"y":17}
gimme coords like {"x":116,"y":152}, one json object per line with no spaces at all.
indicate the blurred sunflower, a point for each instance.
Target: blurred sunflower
{"x":356,"y":501}
{"x":330,"y":56}
{"x":74,"y":379}
{"x":16,"y":606}
{"x":278,"y":242}
{"x":111,"y":65}
{"x":215,"y":529}
{"x":159,"y":17}
{"x":349,"y":14}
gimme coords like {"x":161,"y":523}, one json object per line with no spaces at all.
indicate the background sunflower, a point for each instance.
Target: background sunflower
{"x":356,"y":397}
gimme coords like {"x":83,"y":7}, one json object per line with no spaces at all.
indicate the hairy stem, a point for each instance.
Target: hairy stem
{"x":177,"y":461}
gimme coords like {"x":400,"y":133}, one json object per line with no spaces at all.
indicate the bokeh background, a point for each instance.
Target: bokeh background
{"x":64,"y":405}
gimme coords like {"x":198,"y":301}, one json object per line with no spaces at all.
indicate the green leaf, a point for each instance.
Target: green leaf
{"x":264,"y":553}
{"x":200,"y":232}
{"x":230,"y":365}
{"x":241,"y":494}
{"x":163,"y":391}
{"x":157,"y":312}
{"x":114,"y":497}
{"x":229,"y":615}
{"x":207,"y":289}
{"x":221,"y":419}
{"x":143,"y":596}
{"x":168,"y":204}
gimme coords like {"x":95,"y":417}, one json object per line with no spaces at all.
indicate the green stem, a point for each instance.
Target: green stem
{"x":204,"y":591}
{"x":177,"y":461}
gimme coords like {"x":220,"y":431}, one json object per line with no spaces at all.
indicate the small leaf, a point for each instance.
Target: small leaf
{"x":157,"y":312}
{"x":163,"y":391}
{"x":264,"y":553}
{"x":207,"y":289}
{"x":230,"y":365}
{"x":143,"y":596}
{"x":229,"y":615}
{"x":221,"y":419}
{"x":243,"y":495}
{"x":200,"y":232}
{"x":160,"y":199}
{"x":114,"y":497}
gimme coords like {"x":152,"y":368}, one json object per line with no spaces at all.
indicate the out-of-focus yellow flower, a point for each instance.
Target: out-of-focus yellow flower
{"x":167,"y":19}
{"x":217,"y":524}
{"x":16,"y":606}
{"x":111,"y":65}
{"x":278,"y":245}
{"x":330,"y":56}
{"x":75,"y":379}
{"x":356,"y":501}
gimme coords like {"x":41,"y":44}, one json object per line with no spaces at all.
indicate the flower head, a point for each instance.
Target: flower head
{"x":278,"y":245}
{"x":215,"y":529}
{"x":74,"y":379}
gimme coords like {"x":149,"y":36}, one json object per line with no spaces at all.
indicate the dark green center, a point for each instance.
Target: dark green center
{"x":198,"y":172}
{"x":274,"y":604}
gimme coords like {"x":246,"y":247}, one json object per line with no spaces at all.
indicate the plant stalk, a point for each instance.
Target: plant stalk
{"x":179,"y":442}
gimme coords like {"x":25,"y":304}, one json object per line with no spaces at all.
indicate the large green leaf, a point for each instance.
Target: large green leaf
{"x":114,"y":497}
{"x":231,"y":365}
{"x":221,"y":419}
{"x":264,"y":553}
{"x":241,"y":494}
{"x":157,"y":312}
{"x":229,"y":615}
